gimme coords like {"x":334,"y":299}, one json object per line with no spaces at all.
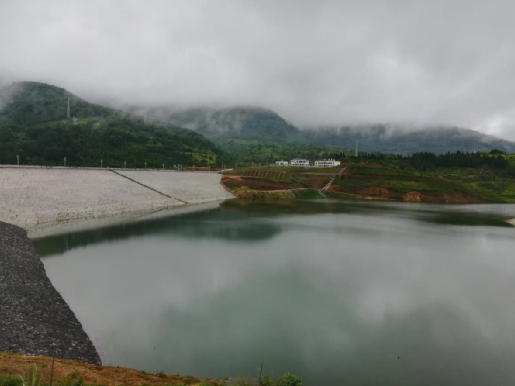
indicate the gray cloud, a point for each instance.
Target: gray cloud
{"x":314,"y":62}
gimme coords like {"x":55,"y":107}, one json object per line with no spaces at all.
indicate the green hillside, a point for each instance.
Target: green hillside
{"x":236,"y":123}
{"x":29,"y":103}
{"x":385,"y":139}
{"x":255,"y":134}
{"x":33,"y":124}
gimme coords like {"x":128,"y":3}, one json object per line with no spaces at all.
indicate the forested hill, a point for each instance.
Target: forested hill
{"x":385,"y":139}
{"x":31,"y":102}
{"x":34,"y":125}
{"x":239,"y":128}
{"x":235,"y":123}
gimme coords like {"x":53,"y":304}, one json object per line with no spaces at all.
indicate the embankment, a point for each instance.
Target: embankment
{"x":32,"y":197}
{"x":34,"y":318}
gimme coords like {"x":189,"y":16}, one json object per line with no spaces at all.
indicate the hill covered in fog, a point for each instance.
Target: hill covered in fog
{"x":388,"y":139}
{"x":254,"y":124}
{"x":34,"y":125}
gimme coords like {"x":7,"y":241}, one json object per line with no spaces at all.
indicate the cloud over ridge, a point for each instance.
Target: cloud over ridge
{"x":323,"y":62}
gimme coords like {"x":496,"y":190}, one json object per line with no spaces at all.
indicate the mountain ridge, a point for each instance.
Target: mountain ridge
{"x":227,"y":124}
{"x":34,"y":125}
{"x":235,"y":122}
{"x":398,"y":140}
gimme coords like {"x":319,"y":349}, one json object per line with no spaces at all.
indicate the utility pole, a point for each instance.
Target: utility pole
{"x":101,"y":161}
{"x":68,"y":114}
{"x":145,"y":165}
{"x":163,"y":166}
{"x":125,"y":165}
{"x":64,"y":161}
{"x":18,"y":160}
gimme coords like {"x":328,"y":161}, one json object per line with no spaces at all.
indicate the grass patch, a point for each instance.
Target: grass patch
{"x":431,"y":187}
{"x":10,"y":380}
{"x":307,"y":194}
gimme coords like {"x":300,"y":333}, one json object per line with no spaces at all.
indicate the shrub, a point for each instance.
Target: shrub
{"x":10,"y":380}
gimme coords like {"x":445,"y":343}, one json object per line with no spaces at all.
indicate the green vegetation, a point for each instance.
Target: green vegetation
{"x":32,"y":378}
{"x":260,"y":135}
{"x":489,"y":177}
{"x":265,"y":152}
{"x":235,"y":123}
{"x":307,"y":194}
{"x":10,"y":380}
{"x":29,"y":103}
{"x":287,"y":169}
{"x":381,"y":138}
{"x":460,"y":177}
{"x":33,"y":126}
{"x":287,"y":379}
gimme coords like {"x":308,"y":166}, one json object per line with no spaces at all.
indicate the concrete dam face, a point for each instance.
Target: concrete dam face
{"x":34,"y":196}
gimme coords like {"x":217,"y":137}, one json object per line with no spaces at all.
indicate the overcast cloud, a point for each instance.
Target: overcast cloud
{"x":314,"y":62}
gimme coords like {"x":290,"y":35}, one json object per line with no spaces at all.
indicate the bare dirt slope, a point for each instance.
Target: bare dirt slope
{"x":17,"y":364}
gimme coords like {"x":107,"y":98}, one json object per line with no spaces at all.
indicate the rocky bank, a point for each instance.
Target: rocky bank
{"x":34,"y":318}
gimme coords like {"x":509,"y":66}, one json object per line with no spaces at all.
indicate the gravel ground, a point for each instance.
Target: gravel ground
{"x":34,"y":318}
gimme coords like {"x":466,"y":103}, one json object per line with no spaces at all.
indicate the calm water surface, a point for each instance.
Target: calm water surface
{"x":341,"y":293}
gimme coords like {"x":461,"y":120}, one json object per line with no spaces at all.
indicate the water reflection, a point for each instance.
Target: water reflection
{"x":229,"y":225}
{"x":368,"y":294}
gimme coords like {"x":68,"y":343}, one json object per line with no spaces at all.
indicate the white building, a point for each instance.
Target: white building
{"x":299,"y":162}
{"x":281,"y":163}
{"x":330,"y":163}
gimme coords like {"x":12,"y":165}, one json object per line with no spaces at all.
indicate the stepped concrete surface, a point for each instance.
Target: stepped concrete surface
{"x":30,"y":197}
{"x":34,"y":318}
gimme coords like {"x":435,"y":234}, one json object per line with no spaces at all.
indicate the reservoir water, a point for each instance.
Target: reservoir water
{"x":341,"y":293}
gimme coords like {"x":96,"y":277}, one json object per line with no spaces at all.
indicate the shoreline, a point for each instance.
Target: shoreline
{"x":56,"y":228}
{"x":40,"y":199}
{"x":34,"y":317}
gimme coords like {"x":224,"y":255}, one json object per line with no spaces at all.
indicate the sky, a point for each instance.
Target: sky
{"x":316,"y":62}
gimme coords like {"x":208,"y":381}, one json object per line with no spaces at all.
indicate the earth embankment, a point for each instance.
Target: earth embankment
{"x":34,"y":318}
{"x":30,"y":197}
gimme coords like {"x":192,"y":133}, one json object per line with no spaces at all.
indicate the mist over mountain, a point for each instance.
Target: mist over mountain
{"x":33,"y":122}
{"x":233,"y":123}
{"x":33,"y":102}
{"x":34,"y":125}
{"x":266,"y":126}
{"x":391,"y":139}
